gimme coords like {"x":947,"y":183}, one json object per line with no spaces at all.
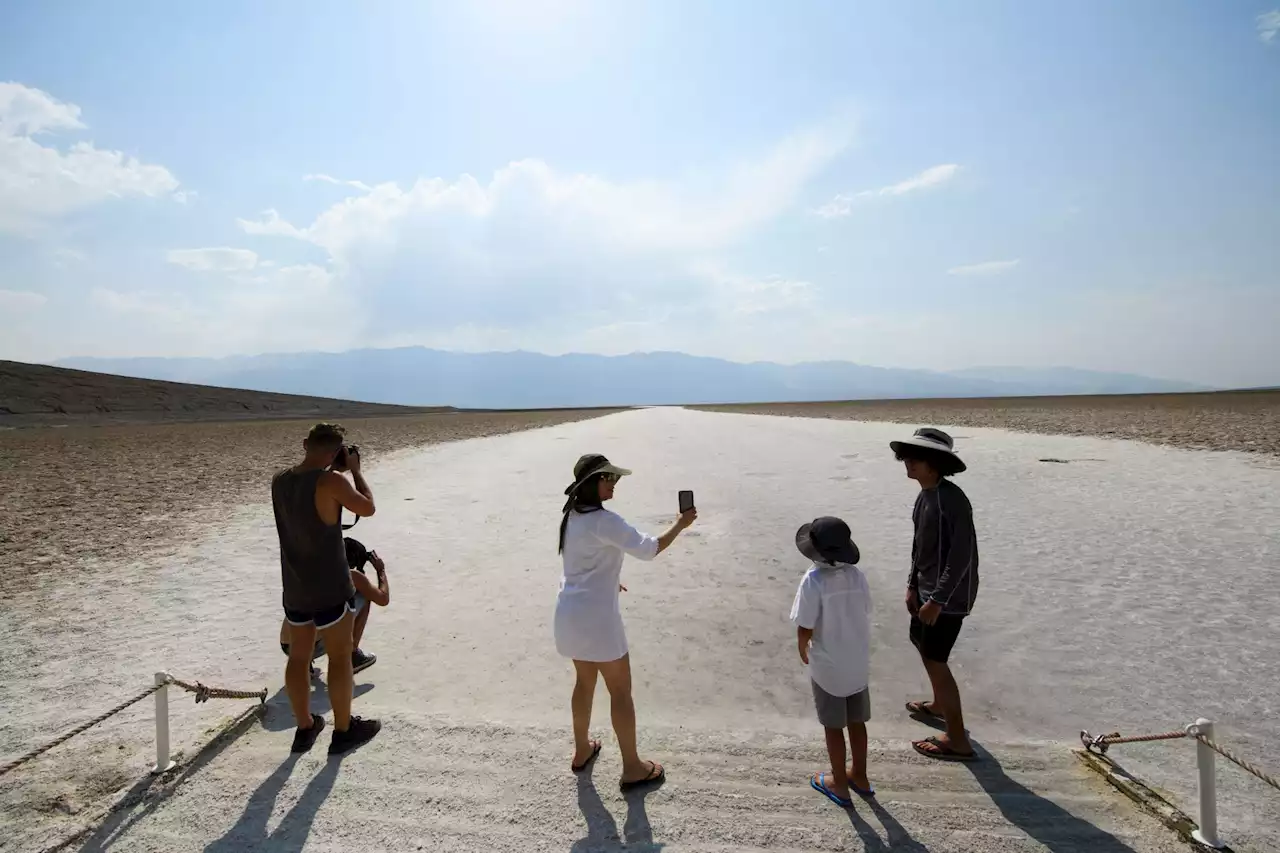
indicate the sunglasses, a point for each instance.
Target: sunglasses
{"x":609,"y":478}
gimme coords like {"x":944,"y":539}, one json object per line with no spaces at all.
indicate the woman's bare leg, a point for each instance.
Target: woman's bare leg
{"x":584,"y":692}
{"x":617,"y":677}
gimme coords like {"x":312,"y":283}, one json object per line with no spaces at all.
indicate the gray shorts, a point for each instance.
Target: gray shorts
{"x":837,"y":712}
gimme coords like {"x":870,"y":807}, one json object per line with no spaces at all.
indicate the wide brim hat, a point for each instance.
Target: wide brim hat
{"x":827,"y":540}
{"x":930,"y":439}
{"x":589,"y":465}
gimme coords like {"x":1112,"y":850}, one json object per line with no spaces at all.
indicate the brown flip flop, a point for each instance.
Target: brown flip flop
{"x":651,"y":779}
{"x":941,"y":751}
{"x":595,"y":750}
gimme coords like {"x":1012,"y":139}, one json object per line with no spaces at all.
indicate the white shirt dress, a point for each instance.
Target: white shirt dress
{"x":588,"y":621}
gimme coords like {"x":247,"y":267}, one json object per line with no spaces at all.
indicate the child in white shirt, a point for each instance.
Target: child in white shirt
{"x":832,"y":615}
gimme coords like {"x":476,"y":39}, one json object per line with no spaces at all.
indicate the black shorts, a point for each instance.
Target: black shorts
{"x":934,"y":641}
{"x":323,"y":618}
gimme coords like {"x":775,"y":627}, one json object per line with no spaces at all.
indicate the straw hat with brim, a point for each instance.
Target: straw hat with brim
{"x":591,"y":464}
{"x":930,"y":439}
{"x":827,"y":540}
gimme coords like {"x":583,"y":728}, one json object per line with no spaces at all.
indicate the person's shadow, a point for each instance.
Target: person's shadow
{"x":602,"y":829}
{"x":279,"y":715}
{"x":1057,"y":829}
{"x":898,"y":837}
{"x":250,"y":831}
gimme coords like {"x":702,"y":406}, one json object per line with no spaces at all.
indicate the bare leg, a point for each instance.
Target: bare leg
{"x":584,"y":693}
{"x":617,"y":677}
{"x":337,"y":643}
{"x":947,"y":699}
{"x":857,"y":755}
{"x":838,"y":781}
{"x":297,"y":672}
{"x":362,"y":619}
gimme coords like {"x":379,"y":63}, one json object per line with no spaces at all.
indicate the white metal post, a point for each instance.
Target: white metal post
{"x":162,"y":724}
{"x":1207,"y":834}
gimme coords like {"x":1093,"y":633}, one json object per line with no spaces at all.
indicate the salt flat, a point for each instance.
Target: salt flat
{"x":1125,"y":589}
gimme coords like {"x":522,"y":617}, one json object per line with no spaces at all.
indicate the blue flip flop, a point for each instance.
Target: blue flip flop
{"x":869,"y":792}
{"x":817,"y":782}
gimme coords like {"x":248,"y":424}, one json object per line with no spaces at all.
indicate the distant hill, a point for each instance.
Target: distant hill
{"x":419,"y":376}
{"x":36,"y":395}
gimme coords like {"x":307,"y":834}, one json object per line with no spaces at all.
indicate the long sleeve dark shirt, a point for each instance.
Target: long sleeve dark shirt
{"x":944,"y":552}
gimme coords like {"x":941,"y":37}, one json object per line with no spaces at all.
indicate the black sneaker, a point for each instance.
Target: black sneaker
{"x":360,"y":731}
{"x":361,"y":661}
{"x":304,"y":739}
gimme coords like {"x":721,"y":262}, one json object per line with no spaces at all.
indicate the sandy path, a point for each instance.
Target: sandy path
{"x":1091,"y":573}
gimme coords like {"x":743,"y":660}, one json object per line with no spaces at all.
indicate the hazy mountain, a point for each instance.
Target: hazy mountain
{"x":419,"y":376}
{"x":1071,"y":380}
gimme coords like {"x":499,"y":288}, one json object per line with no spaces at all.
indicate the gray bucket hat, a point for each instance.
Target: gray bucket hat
{"x":827,"y":540}
{"x":931,"y":438}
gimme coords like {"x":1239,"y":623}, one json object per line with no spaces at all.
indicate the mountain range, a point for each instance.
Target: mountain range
{"x":516,"y":380}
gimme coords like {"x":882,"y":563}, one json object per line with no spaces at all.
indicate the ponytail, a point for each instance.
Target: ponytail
{"x":584,"y":499}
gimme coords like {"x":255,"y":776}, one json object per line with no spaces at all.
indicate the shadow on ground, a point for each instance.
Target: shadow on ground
{"x":121,"y":819}
{"x":290,"y":836}
{"x":279,"y":716}
{"x":1057,"y":829}
{"x":602,"y":829}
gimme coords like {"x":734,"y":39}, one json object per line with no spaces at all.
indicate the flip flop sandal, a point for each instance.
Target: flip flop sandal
{"x":941,"y":751}
{"x":870,"y":790}
{"x":651,"y":779}
{"x":818,"y":783}
{"x":595,"y":750}
{"x":919,"y":709}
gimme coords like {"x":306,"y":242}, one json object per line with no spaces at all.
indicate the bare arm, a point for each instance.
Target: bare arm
{"x":681,"y":524}
{"x":380,"y":594}
{"x":358,"y":498}
{"x":803,"y":636}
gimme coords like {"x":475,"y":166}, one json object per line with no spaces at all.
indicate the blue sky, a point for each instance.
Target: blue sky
{"x":928,"y":185}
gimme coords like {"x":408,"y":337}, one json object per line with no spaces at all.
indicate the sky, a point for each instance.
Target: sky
{"x":932,"y":185}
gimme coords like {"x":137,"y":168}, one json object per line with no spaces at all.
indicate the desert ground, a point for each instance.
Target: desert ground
{"x":1222,"y":420}
{"x":1120,"y":591}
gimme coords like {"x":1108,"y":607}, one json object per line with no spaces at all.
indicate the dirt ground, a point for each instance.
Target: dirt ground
{"x":1225,"y":420}
{"x":80,"y":496}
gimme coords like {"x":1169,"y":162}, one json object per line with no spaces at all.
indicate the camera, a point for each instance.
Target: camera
{"x":340,"y":461}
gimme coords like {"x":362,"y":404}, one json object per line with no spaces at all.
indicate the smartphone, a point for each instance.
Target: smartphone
{"x":686,"y":501}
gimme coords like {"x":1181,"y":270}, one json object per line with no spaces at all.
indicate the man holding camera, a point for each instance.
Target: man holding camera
{"x":319,"y":596}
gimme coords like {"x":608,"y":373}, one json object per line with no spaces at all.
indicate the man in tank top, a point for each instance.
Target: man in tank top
{"x":319,"y":597}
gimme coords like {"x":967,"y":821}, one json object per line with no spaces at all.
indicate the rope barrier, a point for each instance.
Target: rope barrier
{"x":1239,"y":762}
{"x":202,"y":692}
{"x":1098,"y":744}
{"x":18,"y":762}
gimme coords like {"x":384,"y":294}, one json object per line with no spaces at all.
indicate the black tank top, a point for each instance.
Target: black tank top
{"x":313,"y":561}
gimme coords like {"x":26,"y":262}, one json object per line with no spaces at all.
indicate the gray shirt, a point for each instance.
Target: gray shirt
{"x":944,"y":552}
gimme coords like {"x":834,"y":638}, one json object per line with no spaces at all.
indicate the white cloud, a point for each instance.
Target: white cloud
{"x":1269,"y":25}
{"x":211,"y":260}
{"x":533,"y":246}
{"x":842,"y":203}
{"x":930,"y":177}
{"x":328,"y":179}
{"x":21,"y":300}
{"x":41,"y":182}
{"x":985,"y":268}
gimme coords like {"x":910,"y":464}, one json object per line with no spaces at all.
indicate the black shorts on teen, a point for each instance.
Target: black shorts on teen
{"x":322,"y":618}
{"x":934,"y":641}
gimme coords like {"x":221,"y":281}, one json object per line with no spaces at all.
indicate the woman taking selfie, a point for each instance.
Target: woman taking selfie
{"x":588,"y":622}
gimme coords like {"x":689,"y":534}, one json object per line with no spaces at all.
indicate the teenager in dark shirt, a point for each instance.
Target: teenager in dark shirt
{"x":943,"y":583}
